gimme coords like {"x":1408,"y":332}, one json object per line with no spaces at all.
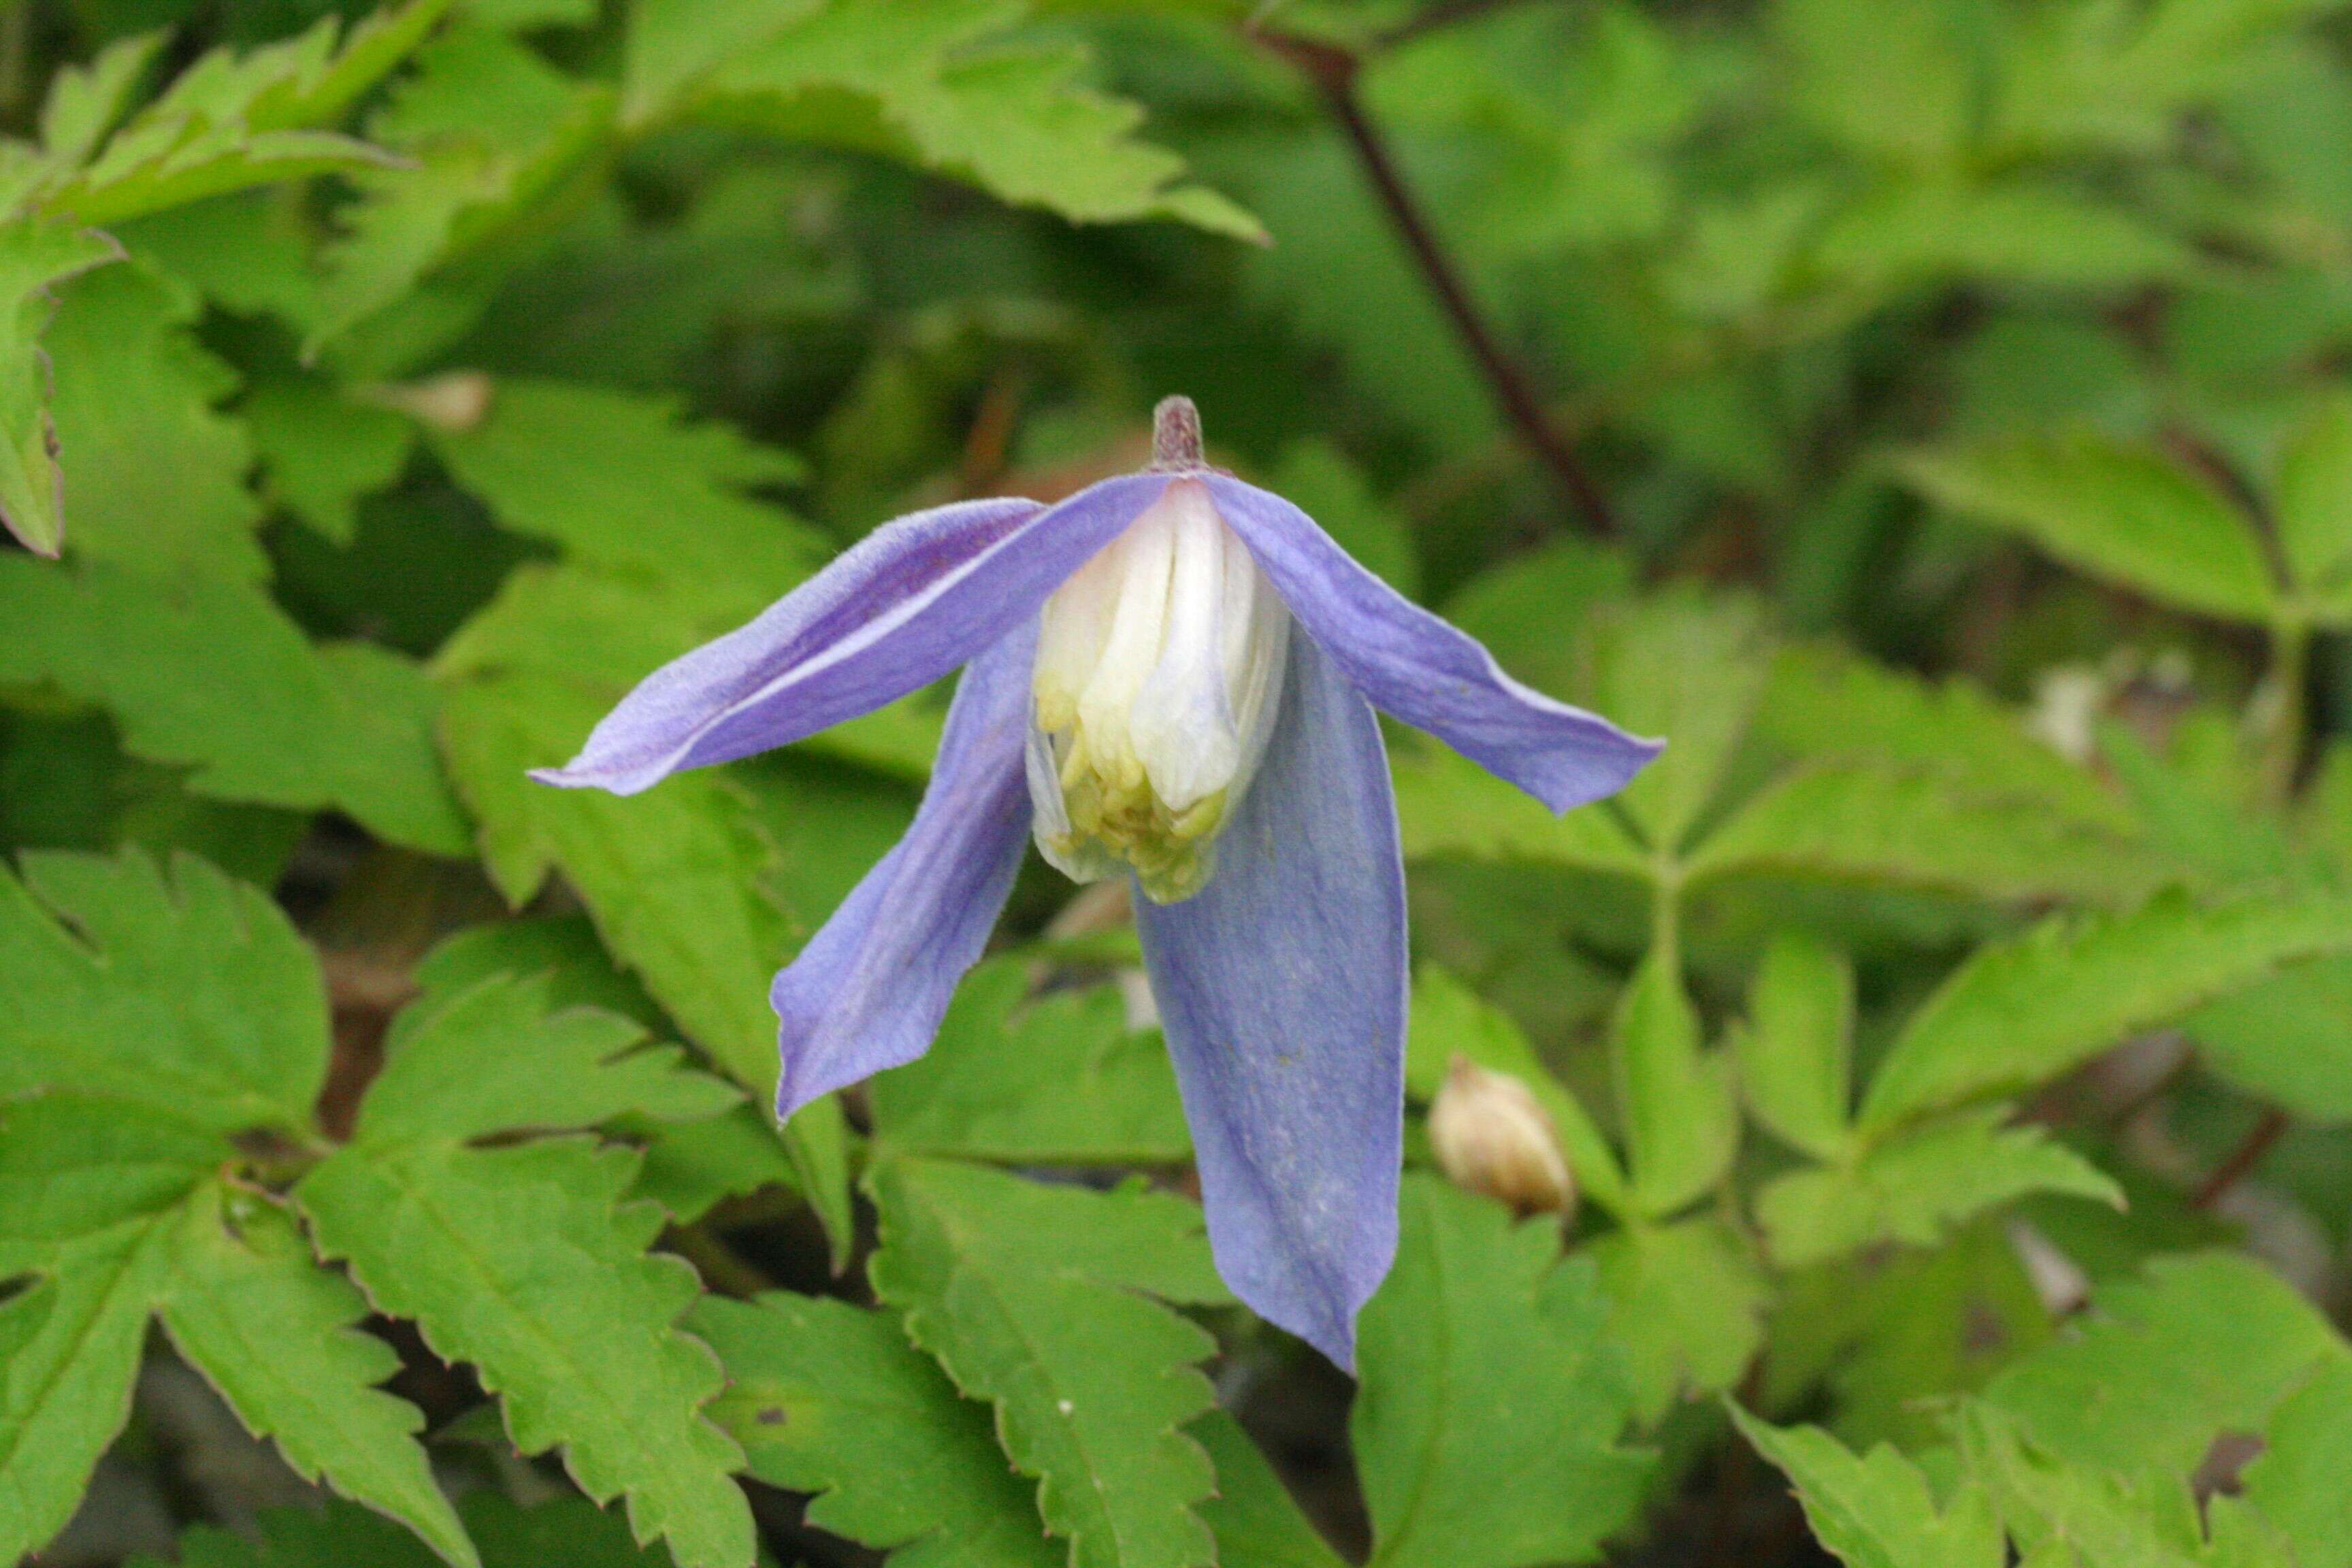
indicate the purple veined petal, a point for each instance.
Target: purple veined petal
{"x":899,"y":610}
{"x":1281,"y":986}
{"x":868,"y":991}
{"x":1415,"y":667}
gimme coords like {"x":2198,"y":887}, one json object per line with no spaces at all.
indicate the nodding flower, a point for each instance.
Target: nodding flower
{"x":1170,"y":677}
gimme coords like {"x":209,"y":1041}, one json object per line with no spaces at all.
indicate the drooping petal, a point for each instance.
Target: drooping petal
{"x":1282,"y":988}
{"x":868,"y":991}
{"x":1415,"y":667}
{"x":897,"y":610}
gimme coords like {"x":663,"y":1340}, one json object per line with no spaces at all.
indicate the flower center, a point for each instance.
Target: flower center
{"x":1158,"y":672}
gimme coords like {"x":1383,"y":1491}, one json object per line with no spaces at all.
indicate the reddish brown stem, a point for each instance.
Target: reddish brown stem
{"x":1333,"y":71}
{"x":2242,"y":1159}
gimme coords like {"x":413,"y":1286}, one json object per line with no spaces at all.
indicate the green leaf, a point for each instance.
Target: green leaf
{"x":683,"y":882}
{"x":209,"y":673}
{"x":321,"y":452}
{"x":2024,"y":229}
{"x":2120,"y":512}
{"x":191,"y":996}
{"x":2284,"y":1039}
{"x":566,"y":1529}
{"x":562,"y":948}
{"x":249,"y":1308}
{"x":1486,"y":1420}
{"x":1876,"y":1511}
{"x":1319,"y":479}
{"x":1257,"y":1523}
{"x":616,"y":479}
{"x":85,"y":102}
{"x":1869,"y":824}
{"x":2315,"y":507}
{"x":934,"y":83}
{"x":526,"y":1261}
{"x":2297,"y":1480}
{"x":1525,"y":609}
{"x":1448,"y":804}
{"x":1033,"y":1299}
{"x":1681,"y":1115}
{"x":35,"y":258}
{"x":830,"y":1399}
{"x":1825,"y":704}
{"x":1916,"y":1186}
{"x":490,"y":134}
{"x":1891,"y":80}
{"x":2070,"y":1515}
{"x":1686,"y":1305}
{"x":1058,"y":1080}
{"x":493,"y":1057}
{"x":230,"y":121}
{"x":2020,"y":1012}
{"x":691,"y":1167}
{"x":1449,"y":1019}
{"x":69,"y":1346}
{"x":1796,"y":1055}
{"x":2198,"y":1344}
{"x":1686,"y":667}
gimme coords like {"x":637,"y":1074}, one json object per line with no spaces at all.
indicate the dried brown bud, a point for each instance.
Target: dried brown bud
{"x":1492,"y":1136}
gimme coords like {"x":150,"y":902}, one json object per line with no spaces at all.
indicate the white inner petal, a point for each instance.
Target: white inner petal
{"x":1158,"y":675}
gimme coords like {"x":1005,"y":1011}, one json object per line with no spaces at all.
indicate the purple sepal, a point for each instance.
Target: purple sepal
{"x":1415,"y":667}
{"x":868,"y":991}
{"x":1282,"y":989}
{"x":901,"y":609}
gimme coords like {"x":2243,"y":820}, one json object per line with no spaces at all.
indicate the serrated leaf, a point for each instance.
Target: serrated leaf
{"x":1683,"y":666}
{"x":2297,"y":1480}
{"x":1796,"y":1055}
{"x":935,"y":83}
{"x":492,"y":1058}
{"x":190,"y":996}
{"x":1918,"y":1184}
{"x":34,"y":259}
{"x":69,"y":1346}
{"x":1876,"y":1511}
{"x":2196,"y":1345}
{"x":525,"y":1261}
{"x":2022,"y":1011}
{"x":1826,"y":704}
{"x":1257,"y":1523}
{"x":86,"y":101}
{"x":1061,"y":1080}
{"x":1032,"y":1297}
{"x":2024,"y":229}
{"x":1486,"y":1421}
{"x":562,"y":948}
{"x":691,"y":1167}
{"x":2286,"y":1040}
{"x":566,"y":1530}
{"x":618,"y":480}
{"x":320,"y":452}
{"x":1448,"y":804}
{"x":1682,"y":1121}
{"x":2070,"y":1515}
{"x":1686,"y":1305}
{"x":2117,"y":511}
{"x":198,"y":670}
{"x":681,"y":880}
{"x":1870,"y":824}
{"x":831,"y":1399}
{"x":489,"y":134}
{"x":1449,"y":1019}
{"x":249,"y":1308}
{"x":2314,"y":507}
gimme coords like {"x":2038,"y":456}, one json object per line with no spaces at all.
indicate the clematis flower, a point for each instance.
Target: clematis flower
{"x":1170,"y":677}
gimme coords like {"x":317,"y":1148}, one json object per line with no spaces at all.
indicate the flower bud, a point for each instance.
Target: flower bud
{"x":1493,"y":1136}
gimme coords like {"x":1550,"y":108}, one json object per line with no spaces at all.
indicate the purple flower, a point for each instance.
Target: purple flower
{"x":1170,"y":676}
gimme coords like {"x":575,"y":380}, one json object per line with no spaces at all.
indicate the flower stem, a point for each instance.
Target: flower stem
{"x":2288,"y":676}
{"x":1333,"y":71}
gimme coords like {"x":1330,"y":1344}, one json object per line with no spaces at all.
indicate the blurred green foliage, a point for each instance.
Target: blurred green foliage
{"x":1931,"y":416}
